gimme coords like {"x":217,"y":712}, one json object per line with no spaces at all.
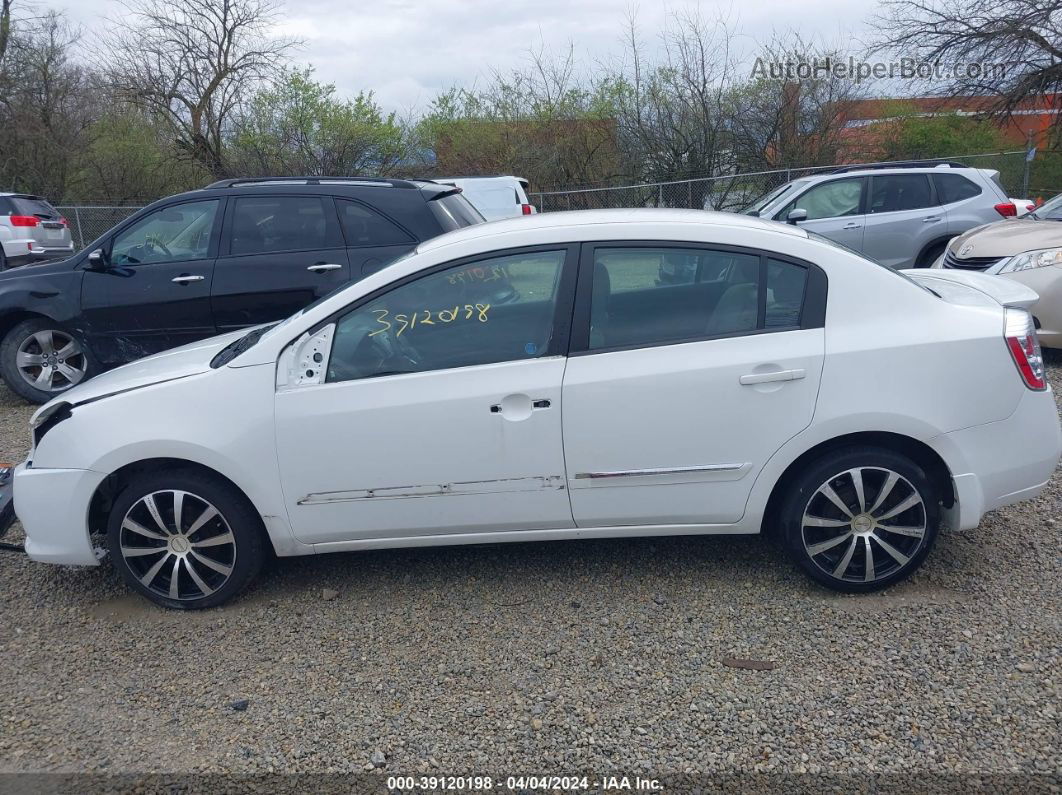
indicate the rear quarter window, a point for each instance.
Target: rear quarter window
{"x":454,"y":211}
{"x":954,"y":188}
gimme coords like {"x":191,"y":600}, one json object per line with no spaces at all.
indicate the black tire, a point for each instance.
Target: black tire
{"x":235,"y":517}
{"x":9,"y":369}
{"x":929,"y":256}
{"x":876,"y":467}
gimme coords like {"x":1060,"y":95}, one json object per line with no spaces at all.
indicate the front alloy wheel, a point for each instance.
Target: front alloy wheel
{"x":51,"y":360}
{"x":185,"y":539}
{"x":861,"y":519}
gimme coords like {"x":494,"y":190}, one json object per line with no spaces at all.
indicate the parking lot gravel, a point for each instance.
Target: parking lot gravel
{"x":575,"y":657}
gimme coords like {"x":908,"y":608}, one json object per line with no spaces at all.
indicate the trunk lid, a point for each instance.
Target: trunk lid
{"x":979,"y":289}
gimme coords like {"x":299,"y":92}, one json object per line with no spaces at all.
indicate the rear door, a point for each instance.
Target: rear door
{"x":903,"y":217}
{"x":676,"y":395}
{"x":279,"y":253}
{"x":834,"y":210}
{"x":372,"y":239}
{"x":155,"y":294}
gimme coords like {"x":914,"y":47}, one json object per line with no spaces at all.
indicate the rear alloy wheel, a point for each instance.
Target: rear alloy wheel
{"x":39,"y":360}
{"x":184,"y":540}
{"x":861,"y":521}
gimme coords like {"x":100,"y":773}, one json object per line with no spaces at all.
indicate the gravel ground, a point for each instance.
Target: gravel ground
{"x":561,"y":658}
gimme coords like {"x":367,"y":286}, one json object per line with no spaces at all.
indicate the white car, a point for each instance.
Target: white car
{"x":787,"y":386}
{"x":496,"y":198}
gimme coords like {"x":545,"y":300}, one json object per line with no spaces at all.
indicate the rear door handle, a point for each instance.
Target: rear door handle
{"x":929,"y":219}
{"x":777,"y":375}
{"x":186,"y":278}
{"x":321,"y":267}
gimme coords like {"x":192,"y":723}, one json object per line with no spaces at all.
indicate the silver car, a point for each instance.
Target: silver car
{"x":30,"y":230}
{"x":901,"y":215}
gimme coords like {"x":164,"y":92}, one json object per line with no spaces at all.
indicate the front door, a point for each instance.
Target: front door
{"x":675,"y":396}
{"x":155,"y":292}
{"x":440,"y":411}
{"x":280,"y":254}
{"x":834,"y":210}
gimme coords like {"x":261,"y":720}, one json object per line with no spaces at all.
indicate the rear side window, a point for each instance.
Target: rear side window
{"x":893,"y":192}
{"x":720,"y":293}
{"x":365,"y":227}
{"x":267,"y":224}
{"x":38,"y":207}
{"x":954,"y":188}
{"x":454,"y":211}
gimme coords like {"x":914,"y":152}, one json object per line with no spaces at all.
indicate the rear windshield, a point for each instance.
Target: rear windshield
{"x":38,"y":207}
{"x":454,"y":211}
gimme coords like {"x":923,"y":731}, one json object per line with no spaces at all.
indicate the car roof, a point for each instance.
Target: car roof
{"x":855,"y":171}
{"x":585,"y":218}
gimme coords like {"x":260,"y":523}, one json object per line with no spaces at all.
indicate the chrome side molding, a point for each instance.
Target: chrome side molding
{"x":634,"y":473}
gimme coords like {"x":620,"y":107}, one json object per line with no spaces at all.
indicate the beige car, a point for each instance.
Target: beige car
{"x":1026,"y":249}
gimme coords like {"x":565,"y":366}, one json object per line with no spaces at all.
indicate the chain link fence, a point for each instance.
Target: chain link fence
{"x":736,"y":191}
{"x":89,"y":222}
{"x":1040,"y":179}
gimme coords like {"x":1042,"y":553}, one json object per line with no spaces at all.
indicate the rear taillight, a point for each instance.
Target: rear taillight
{"x":63,"y":221}
{"x":24,"y":220}
{"x":527,"y":209}
{"x":1020,"y":333}
{"x":1007,"y":209}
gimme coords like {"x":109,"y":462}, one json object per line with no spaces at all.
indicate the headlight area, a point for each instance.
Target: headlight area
{"x":44,"y":422}
{"x":1038,"y":258}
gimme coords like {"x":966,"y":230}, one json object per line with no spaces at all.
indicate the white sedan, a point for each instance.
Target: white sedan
{"x":538,"y":379}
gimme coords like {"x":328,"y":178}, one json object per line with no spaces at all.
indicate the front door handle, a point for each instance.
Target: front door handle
{"x":852,"y":225}
{"x":929,"y":219}
{"x":186,"y":278}
{"x":520,"y":405}
{"x":777,"y":375}
{"x":322,"y":267}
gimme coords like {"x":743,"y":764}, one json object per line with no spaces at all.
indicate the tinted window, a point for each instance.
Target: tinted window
{"x":365,"y":227}
{"x":38,"y":207}
{"x":786,"y":283}
{"x":892,"y":192}
{"x":263,"y":224}
{"x":495,"y":310}
{"x":172,"y":234}
{"x":631,"y":305}
{"x":954,"y":188}
{"x":828,"y":200}
{"x":454,"y":211}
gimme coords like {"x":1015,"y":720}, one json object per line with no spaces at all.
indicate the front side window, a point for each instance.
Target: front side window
{"x":493,"y":310}
{"x":172,"y":234}
{"x":894,"y":192}
{"x":829,"y":200}
{"x":265,"y":224}
{"x":719,"y":293}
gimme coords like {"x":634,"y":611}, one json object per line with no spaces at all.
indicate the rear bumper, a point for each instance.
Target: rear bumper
{"x":1003,"y":462}
{"x":53,"y":506}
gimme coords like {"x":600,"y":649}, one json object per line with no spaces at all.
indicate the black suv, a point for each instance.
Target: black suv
{"x":237,"y":253}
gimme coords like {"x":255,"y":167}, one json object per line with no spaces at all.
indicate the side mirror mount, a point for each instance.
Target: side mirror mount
{"x":97,"y":260}
{"x":796,"y":216}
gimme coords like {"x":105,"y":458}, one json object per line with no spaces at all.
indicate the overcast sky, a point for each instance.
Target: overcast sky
{"x":409,"y":50}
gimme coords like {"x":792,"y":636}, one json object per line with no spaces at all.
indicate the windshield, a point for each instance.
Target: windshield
{"x":1049,"y":211}
{"x":775,"y":196}
{"x":24,"y":205}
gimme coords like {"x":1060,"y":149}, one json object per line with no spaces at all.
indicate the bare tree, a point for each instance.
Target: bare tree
{"x":5,"y":28}
{"x":1019,"y":41}
{"x":47,"y":110}
{"x":674,"y":115}
{"x":191,"y":63}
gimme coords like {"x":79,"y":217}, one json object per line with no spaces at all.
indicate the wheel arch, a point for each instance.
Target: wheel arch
{"x":12,"y":317}
{"x":938,"y":241}
{"x":926,"y":457}
{"x":111,"y":486}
